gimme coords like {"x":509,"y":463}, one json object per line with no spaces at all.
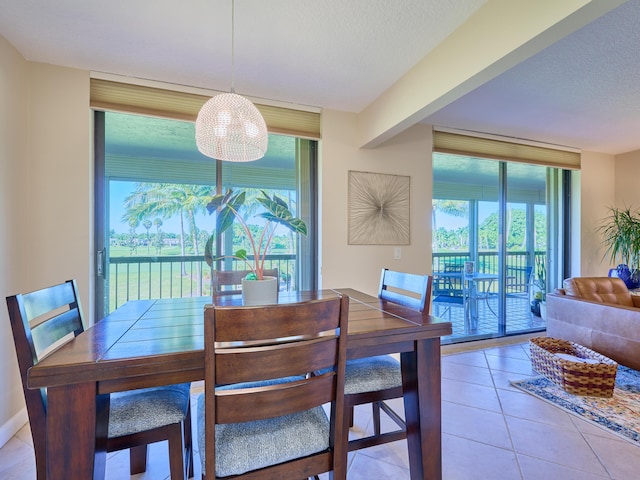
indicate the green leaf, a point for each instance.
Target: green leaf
{"x":227,"y":205}
{"x":217,"y":201}
{"x":242,"y":254}
{"x":278,"y":212}
{"x":208,"y":251}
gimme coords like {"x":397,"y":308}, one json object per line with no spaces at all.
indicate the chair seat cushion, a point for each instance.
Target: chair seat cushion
{"x":372,"y":374}
{"x":147,"y":408}
{"x":242,"y":447}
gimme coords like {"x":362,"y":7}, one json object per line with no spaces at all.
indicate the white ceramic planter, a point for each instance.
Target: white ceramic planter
{"x":260,"y":292}
{"x":543,"y":310}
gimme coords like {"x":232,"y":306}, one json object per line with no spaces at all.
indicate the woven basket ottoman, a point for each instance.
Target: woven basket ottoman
{"x":577,"y":369}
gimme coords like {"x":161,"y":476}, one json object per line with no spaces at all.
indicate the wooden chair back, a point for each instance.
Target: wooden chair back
{"x":41,"y":322}
{"x":406,"y":289}
{"x":257,"y":344}
{"x":45,"y":320}
{"x":228,"y":282}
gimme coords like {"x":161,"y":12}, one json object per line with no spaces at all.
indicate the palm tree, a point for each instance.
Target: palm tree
{"x":166,"y":200}
{"x":158,"y":223}
{"x":457,"y":208}
{"x":147,"y":225}
{"x":133,"y":224}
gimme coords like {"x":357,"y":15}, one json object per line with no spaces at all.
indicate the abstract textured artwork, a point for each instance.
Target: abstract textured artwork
{"x":378,"y":209}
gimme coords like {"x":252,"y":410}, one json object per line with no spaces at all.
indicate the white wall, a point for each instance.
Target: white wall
{"x":409,"y":153}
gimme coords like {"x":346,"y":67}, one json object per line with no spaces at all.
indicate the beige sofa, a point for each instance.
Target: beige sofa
{"x":598,"y":313}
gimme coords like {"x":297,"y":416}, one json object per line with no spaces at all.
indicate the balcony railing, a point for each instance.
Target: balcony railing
{"x":519,"y":264}
{"x":141,"y":278}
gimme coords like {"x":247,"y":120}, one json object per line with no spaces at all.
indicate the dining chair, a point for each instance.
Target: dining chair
{"x":376,"y":379}
{"x":228,"y":282}
{"x":262,"y":414}
{"x":44,"y":320}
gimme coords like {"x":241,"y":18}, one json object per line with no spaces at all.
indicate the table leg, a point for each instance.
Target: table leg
{"x":473,"y":305}
{"x":423,"y":409}
{"x":76,"y":437}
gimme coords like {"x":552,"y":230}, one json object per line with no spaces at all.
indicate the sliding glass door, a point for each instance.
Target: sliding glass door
{"x":490,"y":248}
{"x":152,"y":188}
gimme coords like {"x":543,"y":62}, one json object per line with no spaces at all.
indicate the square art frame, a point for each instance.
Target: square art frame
{"x":378,"y":209}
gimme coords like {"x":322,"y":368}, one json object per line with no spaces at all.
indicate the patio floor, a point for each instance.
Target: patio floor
{"x":519,"y":319}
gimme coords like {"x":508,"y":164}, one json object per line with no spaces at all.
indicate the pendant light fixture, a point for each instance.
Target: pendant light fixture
{"x":229,"y":127}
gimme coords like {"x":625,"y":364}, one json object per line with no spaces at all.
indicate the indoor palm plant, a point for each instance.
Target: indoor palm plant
{"x":621,"y":237}
{"x":276,"y":212}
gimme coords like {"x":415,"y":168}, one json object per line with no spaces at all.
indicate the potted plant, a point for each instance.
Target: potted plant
{"x":538,"y":304}
{"x":541,"y":284}
{"x":276,"y":212}
{"x":621,"y":237}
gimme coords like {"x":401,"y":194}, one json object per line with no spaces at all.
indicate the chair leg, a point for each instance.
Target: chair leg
{"x":138,"y":459}
{"x":176,"y":452}
{"x":188,"y":444}
{"x":351,"y":416}
{"x":376,"y":418}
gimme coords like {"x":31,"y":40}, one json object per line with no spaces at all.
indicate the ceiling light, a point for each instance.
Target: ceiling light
{"x":229,"y":127}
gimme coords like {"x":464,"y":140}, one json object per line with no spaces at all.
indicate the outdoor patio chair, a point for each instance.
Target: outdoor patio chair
{"x":448,"y":290}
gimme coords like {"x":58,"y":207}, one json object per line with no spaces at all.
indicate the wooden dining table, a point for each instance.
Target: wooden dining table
{"x":147,"y":343}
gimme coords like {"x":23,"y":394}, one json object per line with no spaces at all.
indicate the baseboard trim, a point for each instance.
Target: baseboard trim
{"x":13,"y":425}
{"x":489,"y":343}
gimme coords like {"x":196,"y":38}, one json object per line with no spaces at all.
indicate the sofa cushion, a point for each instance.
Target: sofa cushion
{"x":599,"y":289}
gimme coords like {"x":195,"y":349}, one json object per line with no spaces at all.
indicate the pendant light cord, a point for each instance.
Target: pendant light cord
{"x":233,"y":36}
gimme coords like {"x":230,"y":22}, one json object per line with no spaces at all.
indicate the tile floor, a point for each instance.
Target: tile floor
{"x":490,"y":431}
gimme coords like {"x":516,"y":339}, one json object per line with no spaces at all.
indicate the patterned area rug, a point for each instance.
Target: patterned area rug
{"x":620,"y":413}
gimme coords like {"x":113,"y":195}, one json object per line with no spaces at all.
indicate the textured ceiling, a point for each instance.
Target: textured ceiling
{"x":325,"y":53}
{"x":582,"y":92}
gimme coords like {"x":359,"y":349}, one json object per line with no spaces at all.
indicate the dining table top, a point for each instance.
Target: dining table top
{"x":142,"y":334}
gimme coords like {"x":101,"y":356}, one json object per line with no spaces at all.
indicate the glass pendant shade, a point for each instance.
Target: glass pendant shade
{"x":229,"y":127}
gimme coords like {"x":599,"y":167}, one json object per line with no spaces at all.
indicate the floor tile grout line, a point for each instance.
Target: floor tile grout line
{"x":504,"y":419}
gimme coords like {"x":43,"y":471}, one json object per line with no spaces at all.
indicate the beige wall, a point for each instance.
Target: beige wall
{"x":13,"y":127}
{"x":596,"y":194}
{"x":627,"y":189}
{"x":60,"y":178}
{"x":46,"y":192}
{"x":409,"y":153}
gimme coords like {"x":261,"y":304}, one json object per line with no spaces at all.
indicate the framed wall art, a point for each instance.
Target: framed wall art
{"x":378,"y":209}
